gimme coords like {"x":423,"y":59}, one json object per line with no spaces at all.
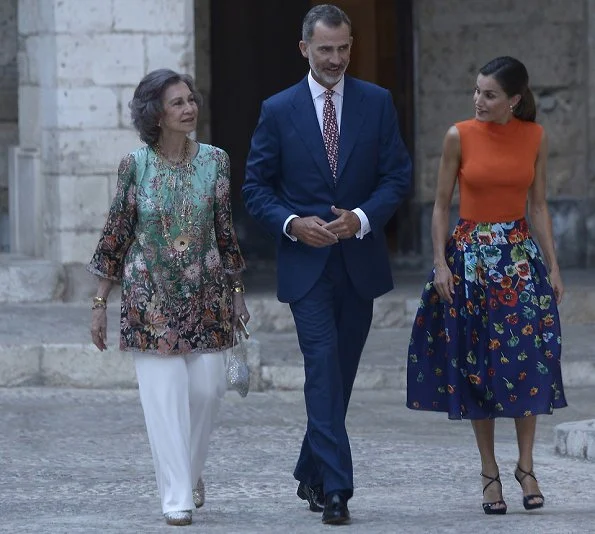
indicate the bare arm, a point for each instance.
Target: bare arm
{"x":541,"y":220}
{"x":447,"y":177}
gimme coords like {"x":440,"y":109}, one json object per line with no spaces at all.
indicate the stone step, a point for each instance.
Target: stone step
{"x":267,"y":314}
{"x":397,"y":309}
{"x":576,"y":439}
{"x":24,"y":279}
{"x":274,"y":359}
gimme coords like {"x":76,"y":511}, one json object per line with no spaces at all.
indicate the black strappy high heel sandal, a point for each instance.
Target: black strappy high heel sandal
{"x":526,"y":498}
{"x":489,"y":507}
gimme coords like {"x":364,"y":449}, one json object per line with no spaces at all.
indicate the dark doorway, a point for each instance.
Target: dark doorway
{"x":254,"y":54}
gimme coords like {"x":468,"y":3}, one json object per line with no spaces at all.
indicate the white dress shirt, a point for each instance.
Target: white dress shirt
{"x":317,"y":92}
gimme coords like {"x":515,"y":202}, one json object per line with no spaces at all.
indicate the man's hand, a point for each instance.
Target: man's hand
{"x":346,"y":225}
{"x":311,"y":231}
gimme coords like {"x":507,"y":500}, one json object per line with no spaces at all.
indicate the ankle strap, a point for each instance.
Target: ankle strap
{"x":491,"y":481}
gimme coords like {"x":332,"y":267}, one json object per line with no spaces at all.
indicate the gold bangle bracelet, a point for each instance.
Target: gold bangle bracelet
{"x":237,"y":287}
{"x":99,"y":302}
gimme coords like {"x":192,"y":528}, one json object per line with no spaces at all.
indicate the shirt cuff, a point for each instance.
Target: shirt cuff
{"x":364,"y":223}
{"x":287,"y":222}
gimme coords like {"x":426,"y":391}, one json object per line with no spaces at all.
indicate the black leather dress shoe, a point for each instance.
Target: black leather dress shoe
{"x":312,"y":494}
{"x":335,"y":510}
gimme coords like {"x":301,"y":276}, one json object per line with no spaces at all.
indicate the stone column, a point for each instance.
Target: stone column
{"x":79,"y":61}
{"x":9,"y":129}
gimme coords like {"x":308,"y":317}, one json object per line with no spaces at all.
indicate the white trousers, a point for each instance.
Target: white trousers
{"x":180,"y":396}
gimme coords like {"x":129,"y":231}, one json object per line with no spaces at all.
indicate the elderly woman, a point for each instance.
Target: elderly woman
{"x":170,"y":242}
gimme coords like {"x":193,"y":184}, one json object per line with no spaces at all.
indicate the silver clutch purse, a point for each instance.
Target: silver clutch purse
{"x":236,"y":367}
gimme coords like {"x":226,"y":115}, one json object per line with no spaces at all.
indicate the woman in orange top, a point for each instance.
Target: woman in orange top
{"x":486,"y":339}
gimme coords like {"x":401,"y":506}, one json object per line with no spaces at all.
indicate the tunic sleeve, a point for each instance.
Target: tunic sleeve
{"x":227,"y":241}
{"x":118,"y":232}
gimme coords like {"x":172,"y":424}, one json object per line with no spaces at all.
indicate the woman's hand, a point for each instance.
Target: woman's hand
{"x":443,"y":282}
{"x":99,"y":327}
{"x":239,"y":309}
{"x":557,"y":285}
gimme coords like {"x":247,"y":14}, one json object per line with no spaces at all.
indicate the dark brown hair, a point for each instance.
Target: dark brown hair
{"x":513,"y":77}
{"x":146,"y":106}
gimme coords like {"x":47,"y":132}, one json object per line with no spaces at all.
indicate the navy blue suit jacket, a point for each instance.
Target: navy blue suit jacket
{"x":287,"y":172}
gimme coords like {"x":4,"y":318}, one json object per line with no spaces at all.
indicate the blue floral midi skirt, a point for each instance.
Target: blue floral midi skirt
{"x":495,"y":352}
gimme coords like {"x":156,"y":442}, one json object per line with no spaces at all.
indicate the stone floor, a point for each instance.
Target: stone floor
{"x":78,"y":461}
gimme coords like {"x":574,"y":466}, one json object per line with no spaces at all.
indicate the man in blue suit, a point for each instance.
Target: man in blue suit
{"x":326,"y":171}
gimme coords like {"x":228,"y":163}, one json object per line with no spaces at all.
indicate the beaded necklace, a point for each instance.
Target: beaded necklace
{"x":178,"y":177}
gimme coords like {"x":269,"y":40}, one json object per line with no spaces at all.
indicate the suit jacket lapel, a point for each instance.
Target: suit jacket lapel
{"x":352,"y":118}
{"x":306,"y":123}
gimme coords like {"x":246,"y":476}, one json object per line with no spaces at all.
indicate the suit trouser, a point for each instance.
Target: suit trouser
{"x":180,"y":396}
{"x":332,"y":323}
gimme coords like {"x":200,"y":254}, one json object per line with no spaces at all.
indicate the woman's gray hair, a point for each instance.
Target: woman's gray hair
{"x":328,"y":14}
{"x":146,"y":105}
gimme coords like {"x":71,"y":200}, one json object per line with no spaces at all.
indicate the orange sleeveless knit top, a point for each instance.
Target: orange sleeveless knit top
{"x":497,"y":168}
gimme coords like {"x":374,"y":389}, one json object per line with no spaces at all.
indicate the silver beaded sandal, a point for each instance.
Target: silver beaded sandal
{"x":179,"y":518}
{"x":198,"y":493}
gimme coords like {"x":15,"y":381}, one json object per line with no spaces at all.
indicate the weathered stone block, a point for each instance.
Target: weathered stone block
{"x":576,"y":439}
{"x":436,"y":14}
{"x":35,"y":17}
{"x":566,"y":175}
{"x":559,"y":57}
{"x":83,"y":365}
{"x":426,"y":178}
{"x":9,"y":135}
{"x":83,"y":202}
{"x":28,"y":17}
{"x":124,"y":98}
{"x":87,"y":151}
{"x":86,"y":107}
{"x":170,"y":51}
{"x":29,"y":280}
{"x":563,"y":114}
{"x":82,"y":16}
{"x":568,"y":226}
{"x":72,"y":246}
{"x":20,"y":365}
{"x":152,"y":16}
{"x":36,"y":60}
{"x":8,"y":32}
{"x":8,"y":104}
{"x":99,"y":59}
{"x":437,"y":112}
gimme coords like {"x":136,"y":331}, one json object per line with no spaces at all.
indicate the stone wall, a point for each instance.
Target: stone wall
{"x":79,"y":61}
{"x":9,"y":87}
{"x":555,"y":40}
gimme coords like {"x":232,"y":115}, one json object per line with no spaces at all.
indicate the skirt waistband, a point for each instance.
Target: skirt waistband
{"x":485,"y":233}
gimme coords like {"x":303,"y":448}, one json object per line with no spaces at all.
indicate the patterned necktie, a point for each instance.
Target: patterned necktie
{"x":330,"y":132}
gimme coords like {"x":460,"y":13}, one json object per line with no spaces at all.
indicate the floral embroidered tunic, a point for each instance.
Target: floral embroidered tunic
{"x":173,"y":301}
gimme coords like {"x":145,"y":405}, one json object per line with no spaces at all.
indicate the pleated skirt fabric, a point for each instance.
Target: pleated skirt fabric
{"x":495,"y":352}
